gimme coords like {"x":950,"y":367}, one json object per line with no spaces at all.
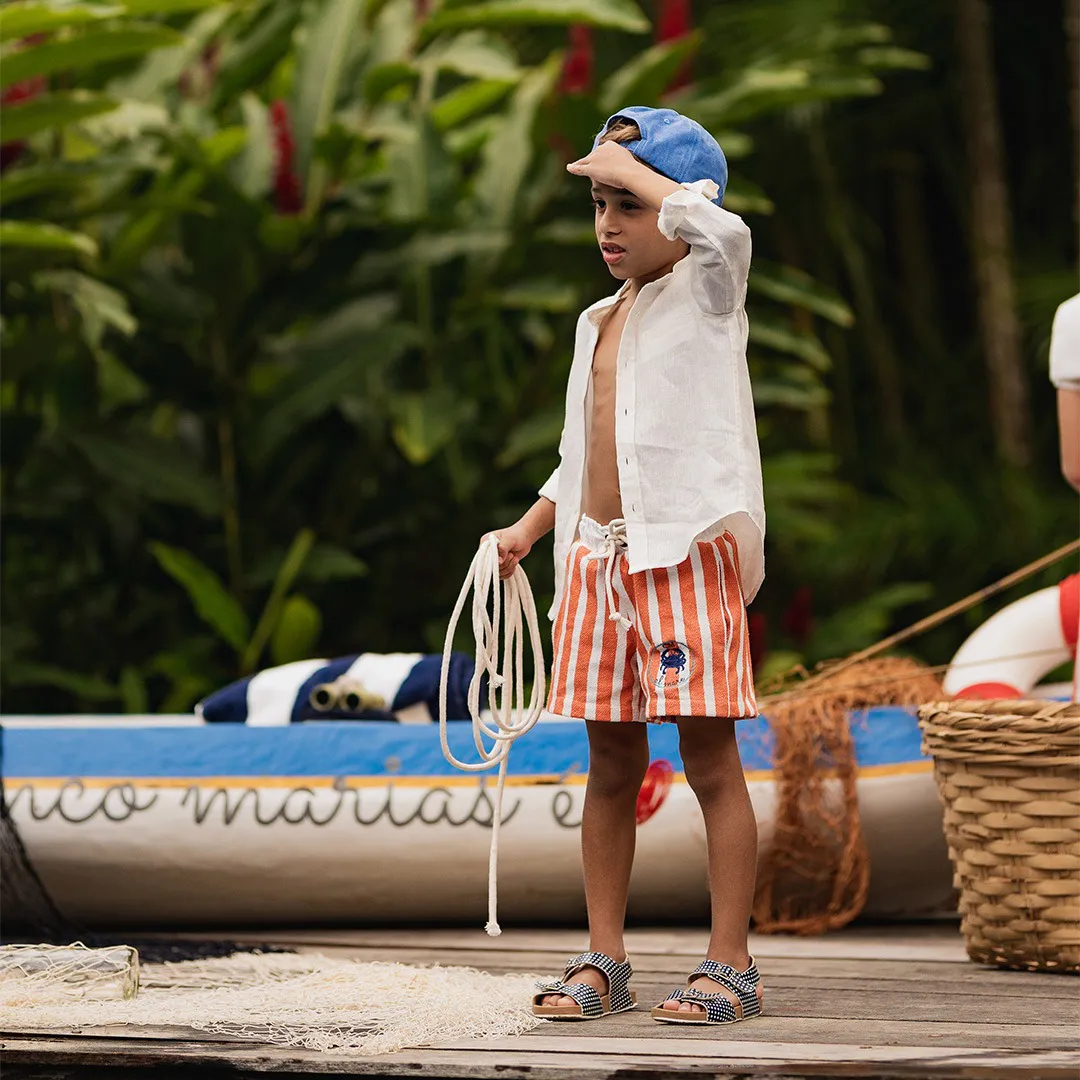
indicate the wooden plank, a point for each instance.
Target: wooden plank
{"x":840,"y":1031}
{"x":930,"y":944}
{"x":852,"y":974}
{"x":708,"y":1058}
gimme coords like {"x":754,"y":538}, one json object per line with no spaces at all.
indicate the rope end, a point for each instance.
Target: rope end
{"x":493,"y":929}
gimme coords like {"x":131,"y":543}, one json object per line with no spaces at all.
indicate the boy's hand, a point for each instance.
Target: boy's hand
{"x":514,"y":544}
{"x":609,"y":164}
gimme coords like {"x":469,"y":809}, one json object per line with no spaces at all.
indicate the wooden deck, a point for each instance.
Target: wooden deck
{"x":899,"y":1001}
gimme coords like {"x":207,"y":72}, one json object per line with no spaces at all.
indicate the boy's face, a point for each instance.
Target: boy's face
{"x":630,"y":242}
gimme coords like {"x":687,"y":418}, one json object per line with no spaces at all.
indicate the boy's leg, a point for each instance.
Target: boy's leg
{"x":710,"y":757}
{"x":618,"y":758}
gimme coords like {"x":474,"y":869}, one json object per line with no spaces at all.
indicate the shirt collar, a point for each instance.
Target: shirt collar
{"x":596,"y":312}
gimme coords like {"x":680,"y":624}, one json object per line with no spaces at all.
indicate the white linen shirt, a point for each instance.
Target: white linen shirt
{"x":1065,"y":346}
{"x":685,"y":435}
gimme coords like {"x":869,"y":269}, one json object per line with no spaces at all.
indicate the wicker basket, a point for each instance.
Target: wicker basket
{"x":1009,"y":776}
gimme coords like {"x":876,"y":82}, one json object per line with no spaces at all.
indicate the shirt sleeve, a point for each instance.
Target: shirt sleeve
{"x":1065,"y":346}
{"x":719,"y":244}
{"x":551,"y":486}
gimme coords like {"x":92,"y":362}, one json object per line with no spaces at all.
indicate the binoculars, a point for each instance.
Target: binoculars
{"x":345,"y":695}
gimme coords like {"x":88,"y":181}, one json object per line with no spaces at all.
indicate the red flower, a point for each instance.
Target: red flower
{"x":287,"y":195}
{"x":673,"y":19}
{"x":27,"y":90}
{"x":578,"y":66}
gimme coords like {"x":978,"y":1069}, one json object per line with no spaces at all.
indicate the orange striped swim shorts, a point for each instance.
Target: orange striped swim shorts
{"x":655,"y":645}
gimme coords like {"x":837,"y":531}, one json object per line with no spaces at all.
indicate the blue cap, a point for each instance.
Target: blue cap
{"x":674,"y":145}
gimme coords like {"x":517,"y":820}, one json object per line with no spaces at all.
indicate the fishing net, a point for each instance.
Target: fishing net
{"x":309,"y":1001}
{"x":815,"y":874}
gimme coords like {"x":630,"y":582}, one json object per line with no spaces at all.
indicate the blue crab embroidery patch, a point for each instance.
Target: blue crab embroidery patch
{"x":675,"y":667}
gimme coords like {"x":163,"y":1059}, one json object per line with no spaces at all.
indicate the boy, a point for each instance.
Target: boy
{"x":660,"y":523}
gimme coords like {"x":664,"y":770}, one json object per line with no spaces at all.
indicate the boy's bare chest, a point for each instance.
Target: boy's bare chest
{"x":606,"y":352}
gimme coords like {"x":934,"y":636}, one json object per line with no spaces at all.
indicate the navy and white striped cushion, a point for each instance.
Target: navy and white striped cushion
{"x":408,"y":682}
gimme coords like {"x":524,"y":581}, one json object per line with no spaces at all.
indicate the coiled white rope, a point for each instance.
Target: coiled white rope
{"x":514,"y":609}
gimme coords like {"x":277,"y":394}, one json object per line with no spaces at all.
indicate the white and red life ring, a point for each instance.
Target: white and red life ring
{"x":1013,"y":650}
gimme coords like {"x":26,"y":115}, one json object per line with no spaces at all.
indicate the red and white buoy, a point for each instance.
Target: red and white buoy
{"x":1008,"y":655}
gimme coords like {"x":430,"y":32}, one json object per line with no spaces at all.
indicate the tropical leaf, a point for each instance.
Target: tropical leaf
{"x":325,"y":370}
{"x":247,"y":59}
{"x":253,"y":171}
{"x":100,"y":306}
{"x":788,"y":285}
{"x":52,"y":111}
{"x":330,"y":36}
{"x":744,"y":197}
{"x":425,"y":422}
{"x":41,"y":236}
{"x":894,"y":58}
{"x":426,"y":250}
{"x":28,"y":183}
{"x":291,"y":565}
{"x":92,"y":47}
{"x":213,"y":603}
{"x":777,"y":335}
{"x":473,"y":54}
{"x":22,"y":20}
{"x":609,"y":14}
{"x":509,"y":151}
{"x":791,"y":386}
{"x":466,"y":101}
{"x":866,"y":620}
{"x":150,"y":467}
{"x":297,"y":631}
{"x":538,"y":294}
{"x":538,"y":434}
{"x":146,"y":8}
{"x":86,"y":687}
{"x":647,"y":76}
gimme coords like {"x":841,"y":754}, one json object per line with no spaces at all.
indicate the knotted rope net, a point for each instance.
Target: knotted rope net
{"x":309,"y":1001}
{"x":815,"y":874}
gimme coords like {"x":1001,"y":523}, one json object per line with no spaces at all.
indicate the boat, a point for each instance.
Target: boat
{"x":163,"y":821}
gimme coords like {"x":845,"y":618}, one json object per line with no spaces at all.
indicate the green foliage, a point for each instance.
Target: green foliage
{"x":241,"y":428}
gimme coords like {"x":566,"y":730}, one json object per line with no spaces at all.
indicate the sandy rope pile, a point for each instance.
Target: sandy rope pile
{"x":310,"y":1001}
{"x":816,"y":874}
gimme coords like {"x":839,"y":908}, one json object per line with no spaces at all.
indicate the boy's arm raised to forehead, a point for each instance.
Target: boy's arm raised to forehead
{"x":719,"y":241}
{"x":719,"y":245}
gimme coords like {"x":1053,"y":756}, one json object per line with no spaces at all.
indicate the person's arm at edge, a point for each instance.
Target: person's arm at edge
{"x":1069,"y":431}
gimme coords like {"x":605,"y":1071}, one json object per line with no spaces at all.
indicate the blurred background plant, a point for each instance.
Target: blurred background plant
{"x":289,"y":291}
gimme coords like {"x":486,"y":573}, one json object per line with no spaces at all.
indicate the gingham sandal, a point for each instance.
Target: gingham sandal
{"x":591,"y":1005}
{"x":719,"y":1008}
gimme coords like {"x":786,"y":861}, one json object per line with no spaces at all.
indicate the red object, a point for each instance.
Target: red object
{"x":984,"y":691}
{"x":798,"y":621}
{"x":420,"y":9}
{"x":673,"y":19}
{"x":758,"y":628}
{"x":287,"y":194}
{"x":654,"y":789}
{"x":27,"y":90}
{"x":578,"y":66}
{"x":1069,"y":607}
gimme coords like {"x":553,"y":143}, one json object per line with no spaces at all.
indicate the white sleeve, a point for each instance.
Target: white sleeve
{"x":1065,"y":346}
{"x":551,"y":486}
{"x":719,"y":244}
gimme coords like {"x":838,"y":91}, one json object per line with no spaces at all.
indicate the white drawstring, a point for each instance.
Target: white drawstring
{"x":614,"y":543}
{"x":506,"y":687}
